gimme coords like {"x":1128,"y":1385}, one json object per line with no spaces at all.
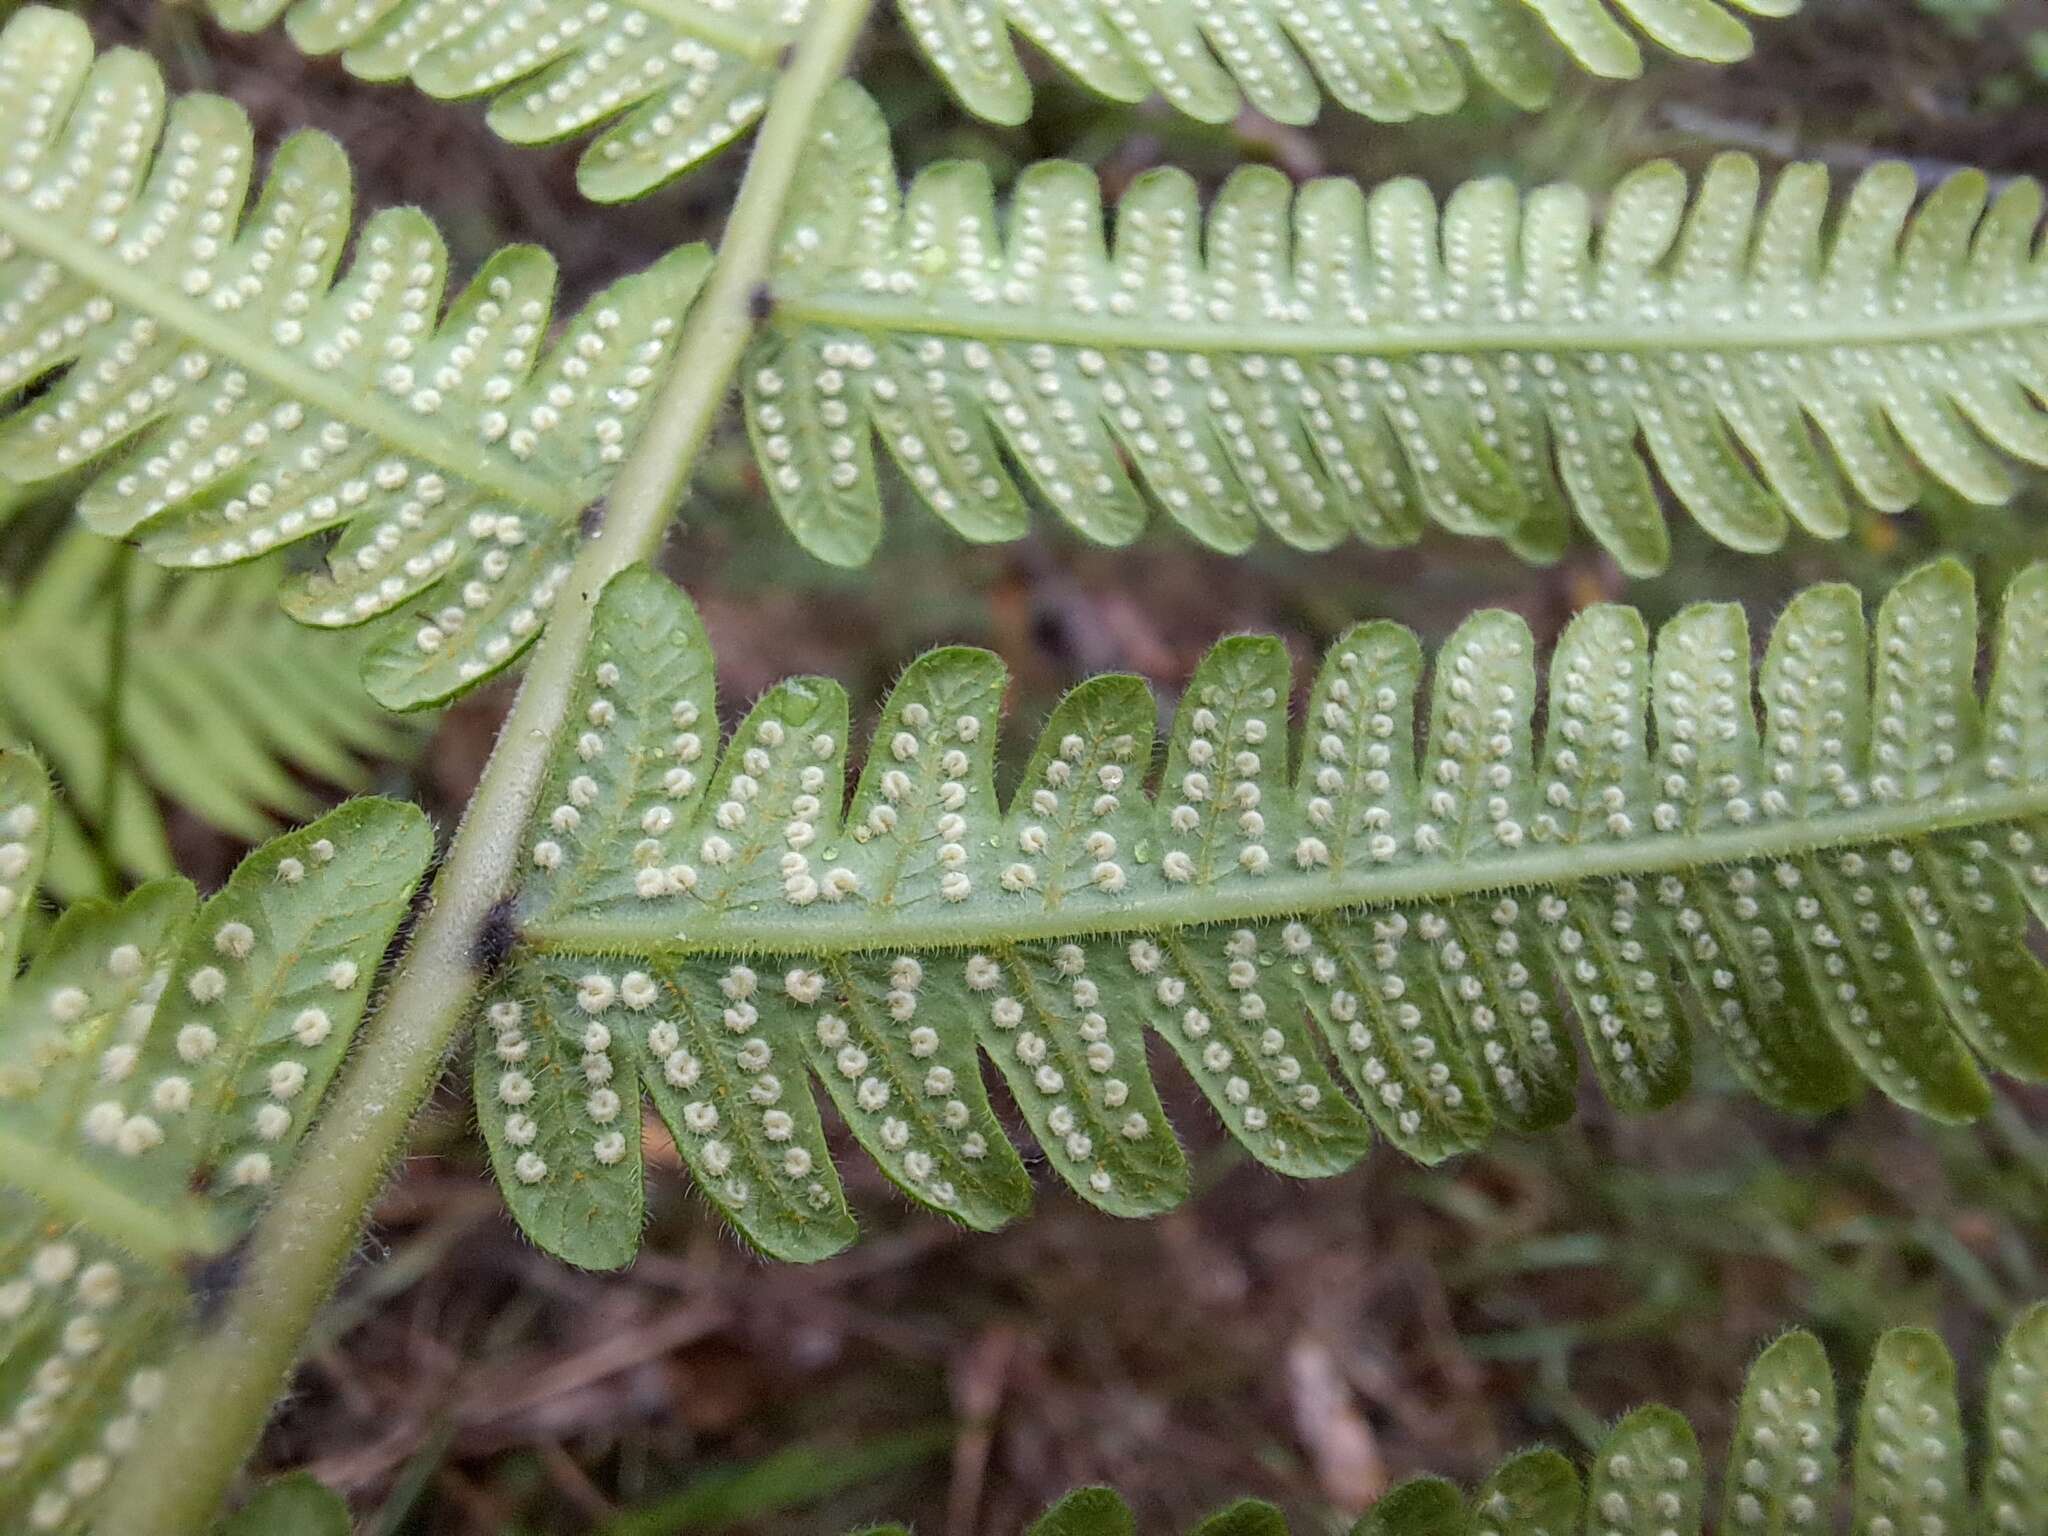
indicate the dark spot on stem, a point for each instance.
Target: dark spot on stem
{"x":211,"y":1278}
{"x":495,"y":937}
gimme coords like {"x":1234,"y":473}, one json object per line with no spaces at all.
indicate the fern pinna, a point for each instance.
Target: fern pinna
{"x":1837,"y":891}
{"x":669,"y":83}
{"x":159,"y":1060}
{"x":1324,"y":364}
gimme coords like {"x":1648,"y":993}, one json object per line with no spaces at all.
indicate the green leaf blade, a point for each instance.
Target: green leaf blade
{"x":1588,"y":355}
{"x":1330,"y":934}
{"x":232,"y":386}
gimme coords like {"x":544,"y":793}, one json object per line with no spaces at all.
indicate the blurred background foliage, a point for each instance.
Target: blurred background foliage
{"x":1308,"y":1343}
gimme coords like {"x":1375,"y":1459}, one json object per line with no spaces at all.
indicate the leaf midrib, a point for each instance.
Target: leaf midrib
{"x":346,"y":400}
{"x":1322,"y":336}
{"x":823,"y":932}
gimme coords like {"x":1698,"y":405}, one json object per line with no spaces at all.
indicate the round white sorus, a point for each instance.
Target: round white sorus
{"x":100,"y":1286}
{"x":67,"y":1005}
{"x":102,"y":1123}
{"x":171,"y":1095}
{"x":53,"y":1264}
{"x":207,"y":984}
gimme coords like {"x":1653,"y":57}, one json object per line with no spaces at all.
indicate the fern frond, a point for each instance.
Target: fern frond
{"x":668,"y":83}
{"x":224,"y":697}
{"x":158,"y":1063}
{"x":1647,"y":1477}
{"x":250,"y":393}
{"x":1332,"y":363}
{"x":1838,"y":891}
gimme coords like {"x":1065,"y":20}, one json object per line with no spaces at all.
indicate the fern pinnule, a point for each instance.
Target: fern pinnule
{"x":244,"y":391}
{"x":1838,"y":888}
{"x":1331,"y":363}
{"x":159,"y":1061}
{"x":667,"y":83}
{"x":224,"y":697}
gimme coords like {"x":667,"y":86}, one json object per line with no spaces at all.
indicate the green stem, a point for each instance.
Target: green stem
{"x":224,"y":1383}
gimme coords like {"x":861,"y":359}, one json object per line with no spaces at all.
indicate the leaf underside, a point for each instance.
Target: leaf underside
{"x":239,"y":387}
{"x":1330,"y":363}
{"x":1332,"y":936}
{"x":226,"y":698}
{"x":665,"y":84}
{"x":1371,"y":368}
{"x":1782,"y":1471}
{"x":159,"y":1060}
